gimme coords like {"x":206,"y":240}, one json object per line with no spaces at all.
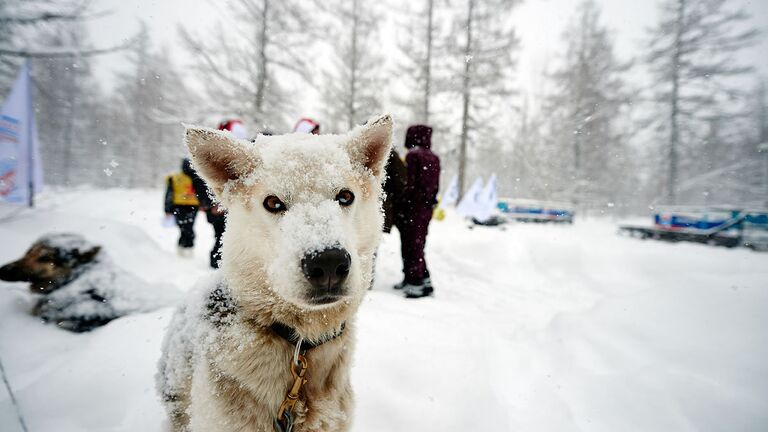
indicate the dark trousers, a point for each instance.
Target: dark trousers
{"x":413,"y":225}
{"x":219,"y":223}
{"x":185,"y":219}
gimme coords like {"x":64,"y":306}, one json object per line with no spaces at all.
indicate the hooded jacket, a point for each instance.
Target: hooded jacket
{"x":423,"y":167}
{"x":393,"y":188}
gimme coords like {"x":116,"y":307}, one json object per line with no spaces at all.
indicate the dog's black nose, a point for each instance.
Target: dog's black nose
{"x":11,"y":272}
{"x":327,"y":269}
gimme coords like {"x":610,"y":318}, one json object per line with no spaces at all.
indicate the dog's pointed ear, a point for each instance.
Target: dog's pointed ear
{"x":88,"y":255}
{"x":371,"y":143}
{"x":219,"y":157}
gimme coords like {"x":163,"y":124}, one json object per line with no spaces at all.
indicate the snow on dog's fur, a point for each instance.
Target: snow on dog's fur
{"x":78,"y":287}
{"x":288,"y":200}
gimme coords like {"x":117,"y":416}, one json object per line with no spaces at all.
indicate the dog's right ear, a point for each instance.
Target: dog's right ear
{"x":218,"y":157}
{"x":87,"y":256}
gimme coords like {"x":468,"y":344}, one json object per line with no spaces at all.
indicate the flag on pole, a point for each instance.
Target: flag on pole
{"x":468,"y":204}
{"x":487,"y":200}
{"x":451,"y":195}
{"x":21,"y":174}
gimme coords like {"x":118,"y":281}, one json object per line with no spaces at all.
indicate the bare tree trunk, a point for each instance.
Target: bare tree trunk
{"x":68,"y":132}
{"x":428,"y":62}
{"x":674,"y":131}
{"x":351,"y":110}
{"x":262,"y":78}
{"x":466,"y":94}
{"x":579,"y":115}
{"x":762,"y":115}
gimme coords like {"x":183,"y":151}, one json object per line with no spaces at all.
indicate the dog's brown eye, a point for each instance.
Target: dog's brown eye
{"x":345,"y":197}
{"x":273,"y":204}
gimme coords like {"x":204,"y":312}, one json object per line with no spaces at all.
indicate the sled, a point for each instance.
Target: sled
{"x":523,"y":210}
{"x":493,"y":222}
{"x":726,"y":227}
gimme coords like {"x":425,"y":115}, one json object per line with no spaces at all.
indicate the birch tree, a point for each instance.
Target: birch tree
{"x":585,"y":108}
{"x":23,"y":26}
{"x":692,"y":54}
{"x":416,"y":67}
{"x":66,"y":98}
{"x":485,"y":44}
{"x":151,"y":99}
{"x":353,"y":85}
{"x":244,"y":60}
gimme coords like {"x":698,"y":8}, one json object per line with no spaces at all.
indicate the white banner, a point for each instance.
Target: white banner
{"x":487,"y":200}
{"x":479,"y":202}
{"x":451,"y":194}
{"x":468,"y":204}
{"x":20,"y":169}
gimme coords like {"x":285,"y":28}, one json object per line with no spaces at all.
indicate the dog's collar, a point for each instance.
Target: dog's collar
{"x":290,"y":335}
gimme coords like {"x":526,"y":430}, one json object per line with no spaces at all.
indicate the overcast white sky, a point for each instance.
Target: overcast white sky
{"x":539,"y":23}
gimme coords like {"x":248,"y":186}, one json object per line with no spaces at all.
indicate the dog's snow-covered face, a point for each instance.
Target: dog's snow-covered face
{"x":303,"y":210}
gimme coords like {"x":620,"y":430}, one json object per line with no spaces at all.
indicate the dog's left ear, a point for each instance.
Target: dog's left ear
{"x":371,"y":143}
{"x":89,"y":255}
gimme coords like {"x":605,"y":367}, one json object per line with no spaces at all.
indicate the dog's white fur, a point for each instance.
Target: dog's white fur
{"x":223,"y":369}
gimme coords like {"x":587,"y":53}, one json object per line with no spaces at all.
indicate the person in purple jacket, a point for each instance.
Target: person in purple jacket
{"x":415,"y":210}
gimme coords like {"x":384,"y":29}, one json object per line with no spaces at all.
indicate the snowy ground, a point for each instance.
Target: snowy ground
{"x":536,"y":328}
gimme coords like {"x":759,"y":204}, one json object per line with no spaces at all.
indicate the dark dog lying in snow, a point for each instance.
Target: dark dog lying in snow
{"x":79,"y":287}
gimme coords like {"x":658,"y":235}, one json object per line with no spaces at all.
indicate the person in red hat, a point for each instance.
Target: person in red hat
{"x":307,"y":125}
{"x":214,"y":213}
{"x":415,"y":209}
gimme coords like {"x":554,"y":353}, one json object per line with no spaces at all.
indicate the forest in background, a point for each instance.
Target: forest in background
{"x":591,"y":135}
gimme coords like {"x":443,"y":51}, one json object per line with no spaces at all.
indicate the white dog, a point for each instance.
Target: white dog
{"x":266,"y":344}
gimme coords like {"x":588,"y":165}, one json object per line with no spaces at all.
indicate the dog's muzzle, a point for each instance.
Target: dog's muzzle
{"x":12,"y":272}
{"x":326,"y":271}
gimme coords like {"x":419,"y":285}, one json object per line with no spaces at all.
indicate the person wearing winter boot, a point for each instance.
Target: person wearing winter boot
{"x":415,"y":210}
{"x":181,"y":202}
{"x":215,"y":214}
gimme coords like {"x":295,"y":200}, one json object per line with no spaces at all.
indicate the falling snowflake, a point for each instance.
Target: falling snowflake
{"x":468,"y":58}
{"x":114,"y":164}
{"x":108,"y":172}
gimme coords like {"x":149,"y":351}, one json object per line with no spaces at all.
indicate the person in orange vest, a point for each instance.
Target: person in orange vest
{"x":181,"y":201}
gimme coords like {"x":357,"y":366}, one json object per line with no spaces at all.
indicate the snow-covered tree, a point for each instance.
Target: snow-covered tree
{"x":586,"y":113}
{"x":692,"y":54}
{"x":353,"y":86}
{"x":246,"y":62}
{"x":533,"y":164}
{"x":23,"y":24}
{"x":760,"y":109}
{"x":152,"y":101}
{"x":731,"y":168}
{"x":66,"y":98}
{"x":417,"y":64}
{"x":484,"y":44}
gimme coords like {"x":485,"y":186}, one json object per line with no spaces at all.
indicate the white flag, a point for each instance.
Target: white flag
{"x":451,"y":194}
{"x":487,"y":201}
{"x":468,"y":204}
{"x":20,"y":168}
